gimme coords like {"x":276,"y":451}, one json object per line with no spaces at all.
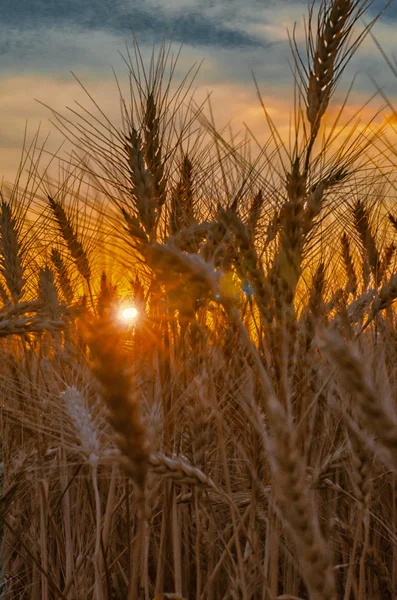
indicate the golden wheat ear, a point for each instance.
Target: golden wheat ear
{"x":70,"y":237}
{"x":375,"y":406}
{"x":108,"y":364}
{"x":11,"y":253}
{"x":48,"y":293}
{"x":333,"y":29}
{"x":84,"y":425}
{"x":62,"y":275}
{"x":329,"y":48}
{"x":142,"y":184}
{"x":362,"y":224}
{"x":73,"y":243}
{"x":182,"y":214}
{"x":107,"y":296}
{"x":352,"y":284}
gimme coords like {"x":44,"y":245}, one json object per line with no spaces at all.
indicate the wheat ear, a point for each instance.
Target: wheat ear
{"x":331,"y":34}
{"x":376,"y":408}
{"x":48,"y":293}
{"x":83,"y":423}
{"x":182,"y":209}
{"x":250,"y":264}
{"x":367,"y":237}
{"x":349,"y":266}
{"x":109,"y":367}
{"x":11,"y":253}
{"x":384,"y":298}
{"x":74,"y":245}
{"x":153,"y":149}
{"x":142,"y":189}
{"x":63,"y":275}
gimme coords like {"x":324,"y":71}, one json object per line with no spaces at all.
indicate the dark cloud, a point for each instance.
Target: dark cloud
{"x":218,"y":23}
{"x":188,"y":26}
{"x":53,"y":36}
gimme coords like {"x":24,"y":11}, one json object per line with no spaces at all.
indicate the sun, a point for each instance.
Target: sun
{"x":129,"y":313}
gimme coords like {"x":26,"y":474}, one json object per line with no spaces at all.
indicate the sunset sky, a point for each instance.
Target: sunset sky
{"x":41,"y":41}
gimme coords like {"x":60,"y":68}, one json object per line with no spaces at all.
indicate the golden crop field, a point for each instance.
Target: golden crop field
{"x":198,"y":354}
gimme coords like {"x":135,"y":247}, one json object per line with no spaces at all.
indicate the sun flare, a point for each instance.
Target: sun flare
{"x":129,"y":313}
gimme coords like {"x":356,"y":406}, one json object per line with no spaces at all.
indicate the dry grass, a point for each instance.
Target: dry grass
{"x":238,"y":439}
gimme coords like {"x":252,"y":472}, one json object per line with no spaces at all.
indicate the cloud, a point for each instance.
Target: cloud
{"x":41,"y":41}
{"x":54,"y":37}
{"x":192,"y":24}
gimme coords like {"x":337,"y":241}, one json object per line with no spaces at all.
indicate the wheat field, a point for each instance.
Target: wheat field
{"x":198,"y":355}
